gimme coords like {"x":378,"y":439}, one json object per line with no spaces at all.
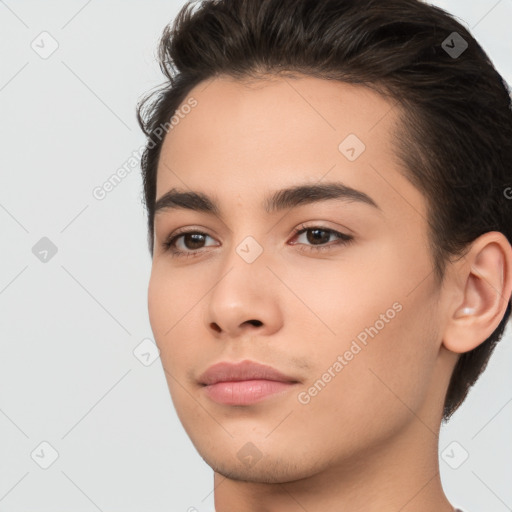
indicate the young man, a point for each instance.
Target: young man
{"x":328,"y":186}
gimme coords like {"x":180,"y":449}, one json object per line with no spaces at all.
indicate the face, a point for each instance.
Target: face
{"x":336,"y":291}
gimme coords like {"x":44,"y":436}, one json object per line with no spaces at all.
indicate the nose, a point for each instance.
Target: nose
{"x":245,"y":300}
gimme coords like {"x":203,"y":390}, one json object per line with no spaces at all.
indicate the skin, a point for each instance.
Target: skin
{"x":369,"y":439}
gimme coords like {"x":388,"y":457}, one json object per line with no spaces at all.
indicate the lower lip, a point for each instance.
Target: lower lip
{"x":245,"y":392}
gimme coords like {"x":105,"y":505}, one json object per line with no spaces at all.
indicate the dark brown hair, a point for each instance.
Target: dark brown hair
{"x":455,"y":136}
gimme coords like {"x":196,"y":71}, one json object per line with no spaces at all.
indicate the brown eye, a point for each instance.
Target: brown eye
{"x":187,"y":243}
{"x":193,"y":240}
{"x":318,"y":238}
{"x":316,"y":235}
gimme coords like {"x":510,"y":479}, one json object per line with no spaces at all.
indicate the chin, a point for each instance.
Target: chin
{"x":268,"y":469}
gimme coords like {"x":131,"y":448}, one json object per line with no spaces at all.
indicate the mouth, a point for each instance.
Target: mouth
{"x":244,"y":383}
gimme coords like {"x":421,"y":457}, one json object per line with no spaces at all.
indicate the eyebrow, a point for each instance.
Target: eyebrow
{"x":292,"y":197}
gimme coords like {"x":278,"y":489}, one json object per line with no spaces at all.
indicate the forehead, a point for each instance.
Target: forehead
{"x":244,"y":139}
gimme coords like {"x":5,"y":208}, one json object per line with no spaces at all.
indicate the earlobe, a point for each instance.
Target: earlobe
{"x":485,"y":279}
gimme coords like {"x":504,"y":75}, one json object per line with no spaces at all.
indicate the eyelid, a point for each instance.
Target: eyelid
{"x":342,"y":230}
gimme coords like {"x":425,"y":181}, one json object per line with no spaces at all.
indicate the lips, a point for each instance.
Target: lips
{"x":244,"y":383}
{"x":244,"y":370}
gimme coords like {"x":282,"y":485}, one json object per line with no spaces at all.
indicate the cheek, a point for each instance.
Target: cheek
{"x":170,"y":300}
{"x":385,"y":333}
{"x":158,"y":304}
{"x":378,"y":387}
{"x":165,"y":309}
{"x":173,"y":315}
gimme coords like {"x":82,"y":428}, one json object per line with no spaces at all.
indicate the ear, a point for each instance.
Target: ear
{"x":483,"y":290}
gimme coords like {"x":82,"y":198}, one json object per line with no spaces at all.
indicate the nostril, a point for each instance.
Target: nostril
{"x":215,"y":327}
{"x":257,"y":323}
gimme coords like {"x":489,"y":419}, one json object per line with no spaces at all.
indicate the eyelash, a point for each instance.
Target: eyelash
{"x":343,"y":239}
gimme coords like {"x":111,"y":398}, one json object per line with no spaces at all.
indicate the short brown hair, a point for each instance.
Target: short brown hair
{"x":455,"y":138}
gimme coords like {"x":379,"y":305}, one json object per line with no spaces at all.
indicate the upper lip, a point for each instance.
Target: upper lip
{"x":226,"y":371}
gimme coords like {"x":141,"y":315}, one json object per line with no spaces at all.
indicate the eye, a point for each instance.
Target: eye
{"x":318,"y":236}
{"x":192,"y":240}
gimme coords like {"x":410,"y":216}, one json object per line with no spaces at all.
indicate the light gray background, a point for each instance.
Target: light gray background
{"x":68,"y":327}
